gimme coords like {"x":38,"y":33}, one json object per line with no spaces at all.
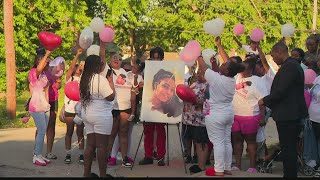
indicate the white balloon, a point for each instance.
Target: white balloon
{"x":93,"y":50}
{"x":287,"y":30}
{"x":207,"y":54}
{"x":214,"y":27}
{"x":86,"y":38}
{"x":97,"y":24}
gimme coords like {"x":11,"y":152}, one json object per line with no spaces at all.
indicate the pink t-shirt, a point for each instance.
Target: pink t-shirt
{"x":53,"y":90}
{"x":38,"y":102}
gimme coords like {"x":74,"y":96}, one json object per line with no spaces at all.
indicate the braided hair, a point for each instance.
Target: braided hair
{"x":92,"y":66}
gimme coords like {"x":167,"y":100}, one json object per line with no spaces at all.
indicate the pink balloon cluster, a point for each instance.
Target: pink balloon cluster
{"x":191,"y":51}
{"x":256,"y":35}
{"x":309,"y":76}
{"x":238,"y":29}
{"x":107,"y":34}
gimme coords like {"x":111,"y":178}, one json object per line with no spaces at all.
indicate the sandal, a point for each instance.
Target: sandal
{"x":51,"y":156}
{"x":252,"y":170}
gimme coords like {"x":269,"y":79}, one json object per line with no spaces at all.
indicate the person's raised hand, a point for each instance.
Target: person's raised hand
{"x":79,"y":51}
{"x":217,"y":40}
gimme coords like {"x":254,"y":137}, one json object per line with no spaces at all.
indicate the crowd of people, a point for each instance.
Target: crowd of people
{"x":234,"y":102}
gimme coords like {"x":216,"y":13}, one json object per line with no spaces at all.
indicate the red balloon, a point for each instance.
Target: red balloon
{"x":185,"y":93}
{"x":49,"y":40}
{"x":210,"y":172}
{"x":72,"y":91}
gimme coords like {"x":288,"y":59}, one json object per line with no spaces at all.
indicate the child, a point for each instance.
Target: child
{"x":73,"y":74}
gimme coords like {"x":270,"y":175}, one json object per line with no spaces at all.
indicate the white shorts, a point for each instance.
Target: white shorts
{"x":98,"y":124}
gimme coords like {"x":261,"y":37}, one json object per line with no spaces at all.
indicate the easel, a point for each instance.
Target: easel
{"x":167,"y":139}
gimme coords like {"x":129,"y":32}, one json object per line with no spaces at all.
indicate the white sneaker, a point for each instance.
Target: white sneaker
{"x":45,"y":159}
{"x":37,"y":160}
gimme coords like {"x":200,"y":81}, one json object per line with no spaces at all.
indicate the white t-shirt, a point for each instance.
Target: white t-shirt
{"x":314,"y":108}
{"x":69,"y":105}
{"x":245,"y":100}
{"x":268,"y":79}
{"x":186,"y":78}
{"x":99,"y":107}
{"x":123,"y":82}
{"x":248,"y":49}
{"x":221,"y":89}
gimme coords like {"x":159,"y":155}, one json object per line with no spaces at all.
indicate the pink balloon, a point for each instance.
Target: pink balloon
{"x":238,"y":29}
{"x":256,"y":35}
{"x":185,"y":93}
{"x":107,"y":34}
{"x":309,"y":76}
{"x":307,"y":97}
{"x":49,"y":40}
{"x":191,"y":51}
{"x":72,"y":90}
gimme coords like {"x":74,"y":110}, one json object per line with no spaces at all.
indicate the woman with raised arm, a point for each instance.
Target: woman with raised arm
{"x":73,"y":74}
{"x":222,"y":86}
{"x":39,"y":107}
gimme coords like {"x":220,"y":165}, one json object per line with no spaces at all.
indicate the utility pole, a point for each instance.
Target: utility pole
{"x":315,"y":14}
{"x":10,"y":58}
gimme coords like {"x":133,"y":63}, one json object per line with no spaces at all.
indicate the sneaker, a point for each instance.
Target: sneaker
{"x":252,"y":170}
{"x":188,"y":159}
{"x":37,"y":160}
{"x":67,"y":160}
{"x":81,"y":159}
{"x":112,"y":161}
{"x":51,"y":156}
{"x":146,"y":161}
{"x":45,"y":159}
{"x":126,"y":163}
{"x":161,"y":162}
{"x":195,"y":169}
{"x":194,"y":160}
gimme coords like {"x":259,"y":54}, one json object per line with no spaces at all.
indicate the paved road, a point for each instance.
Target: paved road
{"x":17,"y":144}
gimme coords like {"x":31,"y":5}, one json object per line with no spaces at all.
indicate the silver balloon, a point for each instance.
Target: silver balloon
{"x":86,"y":38}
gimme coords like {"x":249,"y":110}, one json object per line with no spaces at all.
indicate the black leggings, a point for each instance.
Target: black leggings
{"x":316,"y":129}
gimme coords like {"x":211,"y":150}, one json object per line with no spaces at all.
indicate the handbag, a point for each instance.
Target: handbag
{"x":61,"y":115}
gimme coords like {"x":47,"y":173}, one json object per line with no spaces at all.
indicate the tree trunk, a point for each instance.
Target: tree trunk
{"x":131,"y":45}
{"x":10,"y":58}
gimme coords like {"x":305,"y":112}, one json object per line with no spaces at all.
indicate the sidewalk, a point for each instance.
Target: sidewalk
{"x":16,"y":158}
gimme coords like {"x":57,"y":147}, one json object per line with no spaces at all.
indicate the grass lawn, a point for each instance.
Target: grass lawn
{"x":21,"y":101}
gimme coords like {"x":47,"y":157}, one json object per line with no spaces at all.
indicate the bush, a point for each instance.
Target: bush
{"x":21,"y":79}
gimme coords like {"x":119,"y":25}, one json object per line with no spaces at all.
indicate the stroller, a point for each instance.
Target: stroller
{"x":267,"y":165}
